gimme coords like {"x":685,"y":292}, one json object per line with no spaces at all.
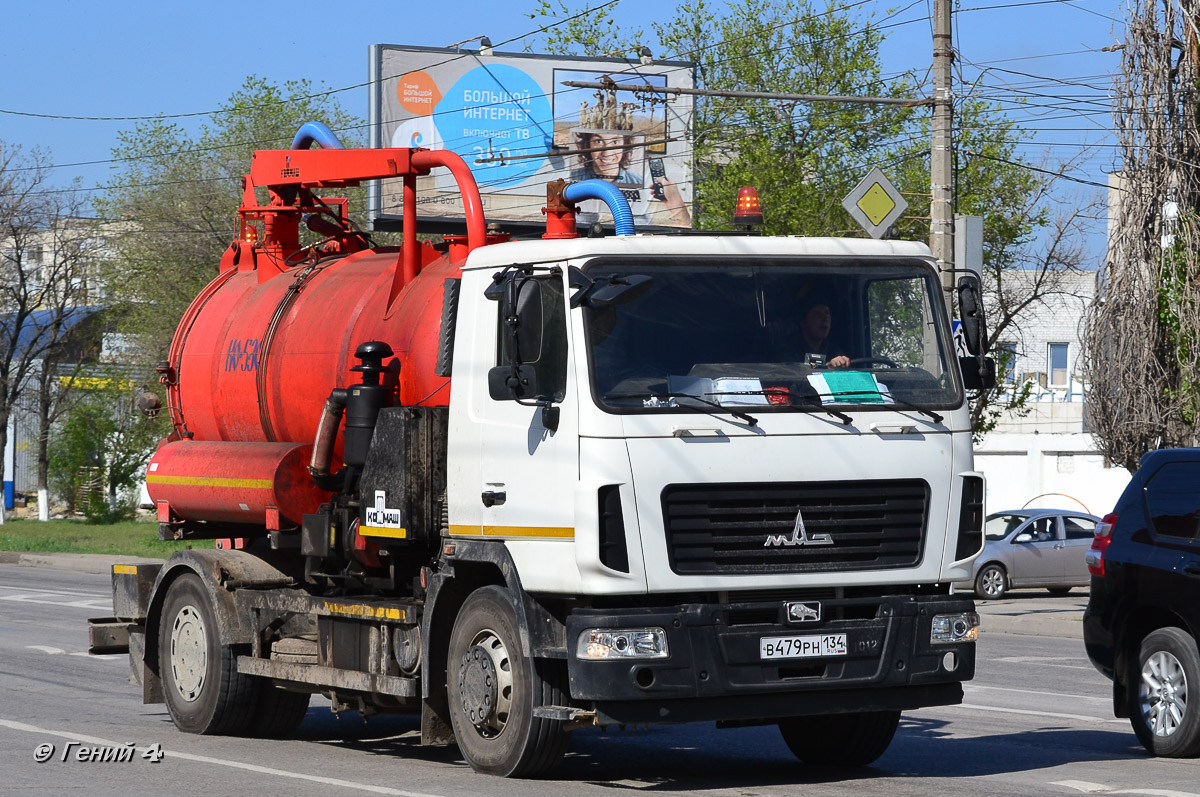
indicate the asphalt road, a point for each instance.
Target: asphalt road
{"x":1036,"y":721}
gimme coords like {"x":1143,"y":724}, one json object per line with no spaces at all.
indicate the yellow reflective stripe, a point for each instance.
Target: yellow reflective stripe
{"x":380,"y":531}
{"x":125,"y":570}
{"x":514,"y":531}
{"x":207,"y":481}
{"x":363,"y":610}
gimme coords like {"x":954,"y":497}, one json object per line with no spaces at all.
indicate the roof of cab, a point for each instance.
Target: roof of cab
{"x":558,"y":250}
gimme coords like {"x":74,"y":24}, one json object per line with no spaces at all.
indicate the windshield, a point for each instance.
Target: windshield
{"x":792,"y":334}
{"x":998,"y":527}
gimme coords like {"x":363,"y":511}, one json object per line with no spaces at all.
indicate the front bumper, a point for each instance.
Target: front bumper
{"x":715,"y":672}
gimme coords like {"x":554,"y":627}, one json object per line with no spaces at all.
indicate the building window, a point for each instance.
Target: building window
{"x":1058,"y":364}
{"x":1006,"y":362}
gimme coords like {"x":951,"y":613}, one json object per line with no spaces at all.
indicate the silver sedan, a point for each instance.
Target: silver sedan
{"x":1032,"y":548}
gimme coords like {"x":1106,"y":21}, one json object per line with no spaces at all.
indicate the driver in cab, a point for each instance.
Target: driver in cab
{"x":816,"y":322}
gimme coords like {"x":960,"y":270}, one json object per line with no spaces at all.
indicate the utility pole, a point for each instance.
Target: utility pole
{"x":941,"y":157}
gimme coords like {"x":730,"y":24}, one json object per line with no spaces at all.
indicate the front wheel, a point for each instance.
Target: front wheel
{"x":494,"y":688}
{"x":202,"y":688}
{"x":1164,"y":712}
{"x":850,"y":740}
{"x":991,"y":583}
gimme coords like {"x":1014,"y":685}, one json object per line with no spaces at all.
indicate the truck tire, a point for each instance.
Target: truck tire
{"x":1163,"y":694}
{"x":840,"y":740}
{"x":494,"y":688}
{"x":991,"y":583}
{"x":202,"y":688}
{"x":278,"y":713}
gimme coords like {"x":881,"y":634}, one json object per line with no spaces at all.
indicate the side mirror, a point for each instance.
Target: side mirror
{"x":520,"y":298}
{"x":979,"y":373}
{"x":970,"y":309}
{"x":1026,"y":537}
{"x":512,"y":382}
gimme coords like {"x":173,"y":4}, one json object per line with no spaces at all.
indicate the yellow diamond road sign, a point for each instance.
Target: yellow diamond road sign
{"x":875,"y":204}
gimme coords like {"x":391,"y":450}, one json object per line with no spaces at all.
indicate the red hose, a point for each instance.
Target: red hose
{"x":472,"y":203}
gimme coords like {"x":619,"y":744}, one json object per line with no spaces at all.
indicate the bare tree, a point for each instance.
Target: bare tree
{"x":1035,"y":247}
{"x":43,"y":247}
{"x":1142,"y":344}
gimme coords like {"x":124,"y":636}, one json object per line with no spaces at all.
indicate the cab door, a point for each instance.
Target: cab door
{"x":529,"y":446}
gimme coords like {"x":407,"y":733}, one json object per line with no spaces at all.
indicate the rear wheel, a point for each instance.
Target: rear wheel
{"x":1164,"y":694}
{"x":494,"y":689}
{"x":202,"y":688}
{"x":851,"y":740}
{"x":991,"y":583}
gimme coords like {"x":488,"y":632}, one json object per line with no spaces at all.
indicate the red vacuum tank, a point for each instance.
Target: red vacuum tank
{"x":262,"y":346}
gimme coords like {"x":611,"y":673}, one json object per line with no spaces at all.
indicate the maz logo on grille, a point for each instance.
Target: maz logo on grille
{"x":799,"y":536}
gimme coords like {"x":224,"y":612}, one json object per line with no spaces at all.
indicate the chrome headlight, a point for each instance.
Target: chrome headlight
{"x":949,"y":629}
{"x":622,"y":643}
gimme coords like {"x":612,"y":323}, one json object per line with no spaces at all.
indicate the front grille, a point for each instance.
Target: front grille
{"x":724,"y":528}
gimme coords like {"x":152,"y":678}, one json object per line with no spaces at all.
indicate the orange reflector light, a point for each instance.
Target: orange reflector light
{"x":249,"y":233}
{"x":748,"y":212}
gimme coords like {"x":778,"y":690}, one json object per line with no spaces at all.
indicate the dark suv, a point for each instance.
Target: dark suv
{"x":1143,"y":617}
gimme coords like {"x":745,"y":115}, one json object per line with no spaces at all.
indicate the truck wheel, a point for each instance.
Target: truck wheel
{"x":494,"y":689}
{"x":991,"y":583}
{"x":1163,"y":709}
{"x":278,"y":713}
{"x":202,"y":688}
{"x":840,"y":740}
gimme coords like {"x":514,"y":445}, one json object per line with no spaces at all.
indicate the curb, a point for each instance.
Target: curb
{"x":1066,"y":625}
{"x":93,"y":563}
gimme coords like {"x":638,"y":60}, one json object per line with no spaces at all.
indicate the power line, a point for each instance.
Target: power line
{"x":317,"y":95}
{"x":1036,"y":169}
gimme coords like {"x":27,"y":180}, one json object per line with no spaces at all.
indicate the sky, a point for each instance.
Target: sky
{"x":1041,"y":59}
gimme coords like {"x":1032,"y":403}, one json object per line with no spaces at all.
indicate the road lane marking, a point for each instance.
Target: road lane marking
{"x":202,"y":759}
{"x":1099,"y":788}
{"x":1046,"y":661}
{"x":55,"y":591}
{"x":104,"y":604}
{"x":60,"y":652}
{"x":1043,"y":714}
{"x":979,"y":687}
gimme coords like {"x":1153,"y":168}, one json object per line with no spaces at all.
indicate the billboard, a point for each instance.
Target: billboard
{"x":517,"y":124}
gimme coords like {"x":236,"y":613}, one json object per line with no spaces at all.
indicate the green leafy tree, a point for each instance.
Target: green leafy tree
{"x":177,"y":195}
{"x":803,"y":158}
{"x":100,"y":450}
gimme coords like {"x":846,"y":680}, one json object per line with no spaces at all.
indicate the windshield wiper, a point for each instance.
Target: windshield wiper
{"x":813,"y":401}
{"x":890,"y":399}
{"x":741,"y":416}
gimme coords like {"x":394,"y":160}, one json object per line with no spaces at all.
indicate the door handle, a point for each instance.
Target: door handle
{"x":494,"y":497}
{"x":1192,"y":569}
